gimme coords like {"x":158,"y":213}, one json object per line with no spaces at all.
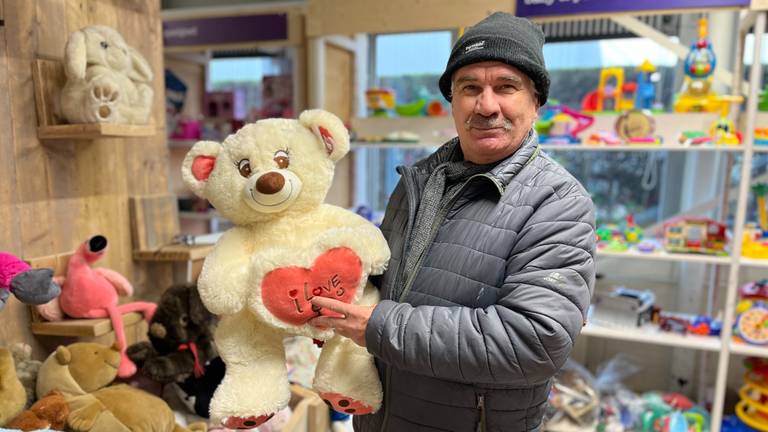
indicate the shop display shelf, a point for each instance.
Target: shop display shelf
{"x":82,"y":327}
{"x":666,"y":256}
{"x":207,"y":215}
{"x":181,"y":143}
{"x":94,"y":131}
{"x":741,"y":348}
{"x":753,"y":262}
{"x":639,"y":147}
{"x":651,"y":334}
{"x":395,"y":144}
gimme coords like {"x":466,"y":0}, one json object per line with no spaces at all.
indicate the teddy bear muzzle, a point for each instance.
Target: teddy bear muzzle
{"x":272,"y":191}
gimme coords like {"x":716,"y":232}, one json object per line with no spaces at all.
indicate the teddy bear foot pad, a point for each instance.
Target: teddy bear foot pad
{"x":344,"y":404}
{"x":246,"y":422}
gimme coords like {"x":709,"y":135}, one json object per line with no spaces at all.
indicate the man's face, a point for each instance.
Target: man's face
{"x":494,"y":107}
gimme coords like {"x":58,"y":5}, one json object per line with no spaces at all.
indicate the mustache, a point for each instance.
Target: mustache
{"x":481,"y":122}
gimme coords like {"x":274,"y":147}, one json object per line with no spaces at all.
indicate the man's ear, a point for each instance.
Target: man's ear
{"x":329,"y":130}
{"x":63,"y":356}
{"x":198,"y":165}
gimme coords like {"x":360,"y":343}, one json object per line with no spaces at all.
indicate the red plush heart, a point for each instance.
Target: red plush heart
{"x":286,"y":291}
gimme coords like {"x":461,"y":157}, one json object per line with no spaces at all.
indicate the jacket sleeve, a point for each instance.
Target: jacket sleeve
{"x":528,"y":334}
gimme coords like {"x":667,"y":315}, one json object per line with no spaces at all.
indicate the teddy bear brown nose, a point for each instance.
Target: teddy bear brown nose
{"x":270,"y":183}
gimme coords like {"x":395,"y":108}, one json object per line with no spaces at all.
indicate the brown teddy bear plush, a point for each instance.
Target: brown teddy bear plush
{"x":49,"y":412}
{"x":82,"y":372}
{"x":180,"y":337}
{"x":13,"y":397}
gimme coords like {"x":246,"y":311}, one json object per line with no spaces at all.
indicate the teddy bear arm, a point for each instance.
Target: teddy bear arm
{"x":84,"y":411}
{"x":365,"y":239}
{"x":171,"y":367}
{"x":223,"y":283}
{"x":141,"y":352}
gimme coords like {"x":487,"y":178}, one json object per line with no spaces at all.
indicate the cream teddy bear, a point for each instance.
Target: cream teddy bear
{"x":270,"y":180}
{"x":107,"y":81}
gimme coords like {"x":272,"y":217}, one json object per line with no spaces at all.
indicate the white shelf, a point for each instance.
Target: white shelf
{"x":182,"y":143}
{"x":740,"y":348}
{"x":208,"y":215}
{"x":652,"y":335}
{"x":753,"y":262}
{"x":666,"y":256}
{"x":397,"y":145}
{"x":640,"y":147}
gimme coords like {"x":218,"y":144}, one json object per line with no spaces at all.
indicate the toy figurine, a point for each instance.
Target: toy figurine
{"x":647,"y":78}
{"x":697,"y":93}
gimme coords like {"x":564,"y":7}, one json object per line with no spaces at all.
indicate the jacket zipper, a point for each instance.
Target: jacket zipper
{"x":481,"y":407}
{"x":433,"y":232}
{"x":410,"y":195}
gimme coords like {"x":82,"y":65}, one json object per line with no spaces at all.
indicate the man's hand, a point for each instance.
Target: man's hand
{"x":352,"y":322}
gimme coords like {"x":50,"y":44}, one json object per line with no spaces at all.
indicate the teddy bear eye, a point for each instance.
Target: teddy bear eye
{"x":104,"y":45}
{"x":184,"y":320}
{"x":281,"y":157}
{"x":244,"y":166}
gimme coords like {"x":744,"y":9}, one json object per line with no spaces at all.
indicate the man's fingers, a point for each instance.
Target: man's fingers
{"x":326,"y":322}
{"x":332,"y":304}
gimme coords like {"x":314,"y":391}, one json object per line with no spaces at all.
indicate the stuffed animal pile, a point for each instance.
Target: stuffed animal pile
{"x":270,"y":179}
{"x":82,"y":373}
{"x":180,"y":348}
{"x":89,"y":292}
{"x":107,"y":80}
{"x":30,"y":286}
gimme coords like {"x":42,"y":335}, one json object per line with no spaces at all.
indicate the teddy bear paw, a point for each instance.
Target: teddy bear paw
{"x":104,"y":97}
{"x":250,"y":422}
{"x":344,"y":404}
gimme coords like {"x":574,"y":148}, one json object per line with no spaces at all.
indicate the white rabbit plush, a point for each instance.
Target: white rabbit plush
{"x":107,"y":81}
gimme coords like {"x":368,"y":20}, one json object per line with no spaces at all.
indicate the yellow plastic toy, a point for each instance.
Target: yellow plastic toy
{"x":752,"y":408}
{"x":380,"y":101}
{"x":620,"y":102}
{"x":723,"y":130}
{"x":697,"y":94}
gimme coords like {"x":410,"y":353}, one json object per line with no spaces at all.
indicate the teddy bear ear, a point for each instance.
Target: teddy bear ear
{"x":63,"y":356}
{"x":329,"y":129}
{"x":198,"y":165}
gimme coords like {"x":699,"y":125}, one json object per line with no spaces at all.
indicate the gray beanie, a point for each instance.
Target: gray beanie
{"x":505,"y":38}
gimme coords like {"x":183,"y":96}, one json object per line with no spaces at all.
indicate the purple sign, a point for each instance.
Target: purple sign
{"x":225,"y":30}
{"x":541,"y":8}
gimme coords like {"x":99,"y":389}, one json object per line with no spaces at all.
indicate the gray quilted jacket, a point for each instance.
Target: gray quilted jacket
{"x":470,"y":343}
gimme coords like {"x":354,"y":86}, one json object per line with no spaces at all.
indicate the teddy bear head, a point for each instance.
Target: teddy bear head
{"x":180,"y":318}
{"x":103,"y":46}
{"x":92,"y":249}
{"x":91,"y":365}
{"x":270,"y":168}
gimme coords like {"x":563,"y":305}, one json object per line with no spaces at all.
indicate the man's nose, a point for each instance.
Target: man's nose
{"x":486,"y":103}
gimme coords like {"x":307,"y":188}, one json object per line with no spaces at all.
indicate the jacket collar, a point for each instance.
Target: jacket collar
{"x":501,"y":174}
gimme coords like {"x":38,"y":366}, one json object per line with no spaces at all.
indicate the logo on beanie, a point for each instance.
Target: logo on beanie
{"x":474,"y":47}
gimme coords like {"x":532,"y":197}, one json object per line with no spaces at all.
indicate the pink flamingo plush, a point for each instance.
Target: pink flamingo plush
{"x":92,"y":293}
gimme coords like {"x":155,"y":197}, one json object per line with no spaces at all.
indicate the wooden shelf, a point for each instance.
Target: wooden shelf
{"x":174,"y":253}
{"x":82,"y":327}
{"x":94,"y":130}
{"x":207,"y":215}
{"x":48,"y":79}
{"x":181,"y":143}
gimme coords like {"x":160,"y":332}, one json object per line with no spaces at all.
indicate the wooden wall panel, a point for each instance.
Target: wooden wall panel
{"x":56,"y":194}
{"x":339,"y":79}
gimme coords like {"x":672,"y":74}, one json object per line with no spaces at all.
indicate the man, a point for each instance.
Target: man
{"x":492,"y":255}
